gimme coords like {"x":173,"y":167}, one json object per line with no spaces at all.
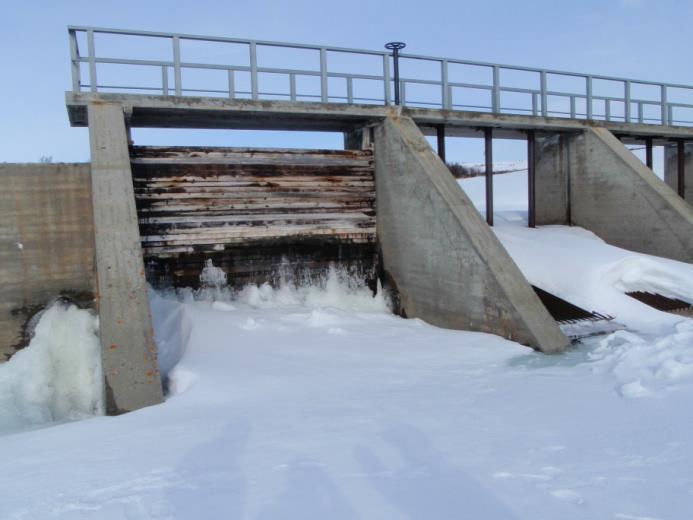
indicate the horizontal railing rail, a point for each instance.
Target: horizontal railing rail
{"x":612,"y":100}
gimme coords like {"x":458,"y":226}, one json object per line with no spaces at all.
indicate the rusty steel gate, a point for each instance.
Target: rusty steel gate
{"x":252,"y":211}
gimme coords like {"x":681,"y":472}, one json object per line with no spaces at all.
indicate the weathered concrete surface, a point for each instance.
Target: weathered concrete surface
{"x":551,"y":174}
{"x":617,"y":197}
{"x":671,"y":169}
{"x":46,"y":244}
{"x":217,"y":112}
{"x":447,"y":265}
{"x":131,"y":373}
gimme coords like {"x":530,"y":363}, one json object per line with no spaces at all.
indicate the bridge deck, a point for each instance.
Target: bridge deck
{"x":214,"y":112}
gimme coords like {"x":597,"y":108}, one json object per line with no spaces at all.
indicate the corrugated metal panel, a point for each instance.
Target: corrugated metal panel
{"x":195,"y":199}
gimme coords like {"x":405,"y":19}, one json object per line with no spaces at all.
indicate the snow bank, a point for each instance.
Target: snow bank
{"x":656,"y":350}
{"x":171,"y":331}
{"x":58,"y":376}
{"x":645,"y":366}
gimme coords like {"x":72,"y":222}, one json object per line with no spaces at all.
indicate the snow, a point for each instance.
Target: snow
{"x":315,"y":401}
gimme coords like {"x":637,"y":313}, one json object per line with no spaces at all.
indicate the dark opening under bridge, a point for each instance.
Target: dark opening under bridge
{"x":386,"y":206}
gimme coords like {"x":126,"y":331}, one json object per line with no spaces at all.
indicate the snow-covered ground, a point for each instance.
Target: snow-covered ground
{"x":317,"y":402}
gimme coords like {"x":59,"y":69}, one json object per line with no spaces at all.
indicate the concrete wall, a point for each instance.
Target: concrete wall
{"x":131,"y":373}
{"x":46,"y":243}
{"x":445,"y":262}
{"x":551,"y":175}
{"x":671,"y":169}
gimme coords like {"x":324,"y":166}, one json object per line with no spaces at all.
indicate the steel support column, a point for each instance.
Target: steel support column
{"x":681,"y":169}
{"x":531,"y":171}
{"x":488,"y":154}
{"x":440,"y":134}
{"x":648,"y":152}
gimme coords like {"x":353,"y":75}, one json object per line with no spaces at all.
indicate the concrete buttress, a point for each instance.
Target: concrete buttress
{"x":131,"y":373}
{"x":447,"y":265}
{"x":616,"y":196}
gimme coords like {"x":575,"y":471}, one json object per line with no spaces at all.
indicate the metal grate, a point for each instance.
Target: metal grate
{"x":663,"y":303}
{"x":565,"y":312}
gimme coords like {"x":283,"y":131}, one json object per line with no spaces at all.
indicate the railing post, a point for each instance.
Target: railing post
{"x":292,"y":87}
{"x":588,"y":94}
{"x":92,"y":60}
{"x":164,"y":80}
{"x":323,"y":75}
{"x":607,"y":109}
{"x":252,"y":47}
{"x":495,"y":101}
{"x":386,"y":78}
{"x":544,"y":96}
{"x":573,"y":113}
{"x":232,"y":84}
{"x":663,"y":98}
{"x":350,"y":89}
{"x":535,"y":104}
{"x":177,"y":77}
{"x":444,"y":84}
{"x":626,"y":87}
{"x":74,"y":58}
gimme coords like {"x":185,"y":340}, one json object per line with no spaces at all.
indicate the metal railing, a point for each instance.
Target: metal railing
{"x":671,"y":104}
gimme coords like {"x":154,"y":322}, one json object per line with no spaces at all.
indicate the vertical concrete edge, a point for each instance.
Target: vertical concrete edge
{"x":131,"y":375}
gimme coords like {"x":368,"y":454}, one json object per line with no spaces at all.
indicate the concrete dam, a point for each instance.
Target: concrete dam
{"x":386,"y":206}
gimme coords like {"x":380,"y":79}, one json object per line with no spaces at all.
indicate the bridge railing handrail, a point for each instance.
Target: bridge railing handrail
{"x":625,"y":105}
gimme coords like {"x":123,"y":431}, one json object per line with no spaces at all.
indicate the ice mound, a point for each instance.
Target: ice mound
{"x":58,"y":376}
{"x":337,"y":288}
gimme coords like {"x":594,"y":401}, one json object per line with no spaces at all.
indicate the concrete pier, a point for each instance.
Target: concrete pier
{"x":445,"y":262}
{"x":612,"y":193}
{"x":552,"y":175}
{"x":671,"y":158}
{"x":131,"y":373}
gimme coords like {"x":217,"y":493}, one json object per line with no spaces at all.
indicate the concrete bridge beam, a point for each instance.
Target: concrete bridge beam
{"x":447,"y":265}
{"x":131,"y":373}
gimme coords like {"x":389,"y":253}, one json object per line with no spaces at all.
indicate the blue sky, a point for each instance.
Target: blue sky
{"x":644,"y":39}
